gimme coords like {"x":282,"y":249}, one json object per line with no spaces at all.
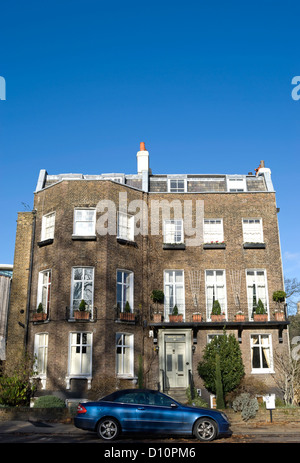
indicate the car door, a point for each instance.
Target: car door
{"x":158,"y":413}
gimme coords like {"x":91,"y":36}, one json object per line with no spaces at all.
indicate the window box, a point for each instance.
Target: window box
{"x":218,"y":318}
{"x":279,"y":316}
{"x":214,"y":246}
{"x":81,"y":315}
{"x":175,"y":318}
{"x":260,"y":317}
{"x":239,"y":317}
{"x":127,"y":316}
{"x":197,"y":317}
{"x":39,"y":316}
{"x":174,"y":246}
{"x":254,"y":245}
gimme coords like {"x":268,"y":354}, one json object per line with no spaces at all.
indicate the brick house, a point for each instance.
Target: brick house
{"x":112,"y":239}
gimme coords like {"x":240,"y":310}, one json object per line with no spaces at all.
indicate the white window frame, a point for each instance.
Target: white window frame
{"x":80,"y":345}
{"x":76,"y":230}
{"x":260,"y":345}
{"x":123,"y":346}
{"x":48,"y":226}
{"x":41,"y":286}
{"x":215,"y":290}
{"x":173,"y":231}
{"x":125,"y":228}
{"x":124,"y":284}
{"x":211,"y":235}
{"x":247,"y":222}
{"x":250,"y":299}
{"x":177,"y":189}
{"x":180,"y":304}
{"x":73,"y":281}
{"x":41,"y":357}
{"x":236,"y":184}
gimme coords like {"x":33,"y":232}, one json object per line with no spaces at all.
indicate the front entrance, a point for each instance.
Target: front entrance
{"x":175,"y":358}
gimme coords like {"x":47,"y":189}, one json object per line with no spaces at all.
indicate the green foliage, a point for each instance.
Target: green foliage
{"x":279,"y":296}
{"x":40,"y":308}
{"x":219,"y":386}
{"x":82,"y":305}
{"x":157,"y":295}
{"x":127,"y":307}
{"x":196,"y":401}
{"x":216,"y":308}
{"x":49,"y":401}
{"x":175,"y":310}
{"x":260,"y":308}
{"x":247,"y":405}
{"x":16,"y":388}
{"x":231,"y":365}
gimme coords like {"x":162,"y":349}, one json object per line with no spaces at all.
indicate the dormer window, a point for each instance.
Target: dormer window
{"x":236,"y":184}
{"x":177,"y":185}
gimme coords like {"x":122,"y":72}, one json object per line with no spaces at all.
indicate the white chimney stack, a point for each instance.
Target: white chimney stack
{"x":142,"y":159}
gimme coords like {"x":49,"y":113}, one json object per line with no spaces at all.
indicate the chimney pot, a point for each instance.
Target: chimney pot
{"x":262,"y":163}
{"x":142,"y":146}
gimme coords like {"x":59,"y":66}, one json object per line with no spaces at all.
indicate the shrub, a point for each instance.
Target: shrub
{"x":16,"y":388}
{"x":49,"y":401}
{"x":246,"y":405}
{"x":197,"y":401}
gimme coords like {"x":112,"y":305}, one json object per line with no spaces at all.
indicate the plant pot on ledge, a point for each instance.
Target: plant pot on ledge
{"x":175,"y":318}
{"x":157,"y":317}
{"x":260,"y":317}
{"x":127,"y":316}
{"x":39,"y":316}
{"x":197,"y":317}
{"x":279,"y":316}
{"x":81,"y":315}
{"x":239,"y":317}
{"x":217,"y":318}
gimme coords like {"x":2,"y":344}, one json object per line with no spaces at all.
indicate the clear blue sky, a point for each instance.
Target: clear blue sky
{"x":207,"y":86}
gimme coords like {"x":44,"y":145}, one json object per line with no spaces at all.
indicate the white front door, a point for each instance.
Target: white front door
{"x":176,"y":371}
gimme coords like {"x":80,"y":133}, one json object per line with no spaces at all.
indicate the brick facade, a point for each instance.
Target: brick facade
{"x":147,"y":259}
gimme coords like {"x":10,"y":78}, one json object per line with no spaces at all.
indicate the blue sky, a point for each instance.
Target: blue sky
{"x":206,"y":85}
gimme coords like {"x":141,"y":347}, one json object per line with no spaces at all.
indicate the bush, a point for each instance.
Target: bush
{"x":16,"y":388}
{"x":246,"y":405}
{"x":49,"y":401}
{"x":197,"y":401}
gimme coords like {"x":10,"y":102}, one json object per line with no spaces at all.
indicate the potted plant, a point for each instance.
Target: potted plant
{"x":158,"y":297}
{"x":279,"y":297}
{"x":127,"y":314}
{"x":197,"y":317}
{"x":239,"y":316}
{"x":82,"y":313}
{"x":216,"y":313}
{"x":39,"y":315}
{"x":260,"y":314}
{"x":175,"y":316}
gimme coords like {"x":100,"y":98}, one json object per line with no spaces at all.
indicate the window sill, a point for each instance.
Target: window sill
{"x":214,"y":246}
{"x":45,"y":242}
{"x":175,"y":246}
{"x":263,"y":371}
{"x":254,"y":245}
{"x":84,"y":237}
{"x":128,"y":242}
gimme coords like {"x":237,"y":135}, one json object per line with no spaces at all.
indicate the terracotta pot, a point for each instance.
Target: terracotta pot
{"x":81,"y":315}
{"x":197,"y":317}
{"x":239,"y":317}
{"x":39,"y":316}
{"x":279,"y":316}
{"x":175,"y":318}
{"x":260,"y":317}
{"x":217,"y":318}
{"x":157,"y":317}
{"x":128,"y":316}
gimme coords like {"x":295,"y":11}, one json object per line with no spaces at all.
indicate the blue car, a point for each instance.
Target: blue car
{"x":149,"y":411}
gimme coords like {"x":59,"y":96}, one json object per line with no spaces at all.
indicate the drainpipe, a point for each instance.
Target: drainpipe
{"x":29,"y":281}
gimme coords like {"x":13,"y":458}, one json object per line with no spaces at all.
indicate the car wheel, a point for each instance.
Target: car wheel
{"x":108,"y":429}
{"x":205,"y":429}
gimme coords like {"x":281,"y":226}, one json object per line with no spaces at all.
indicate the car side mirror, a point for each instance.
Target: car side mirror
{"x":173,"y":406}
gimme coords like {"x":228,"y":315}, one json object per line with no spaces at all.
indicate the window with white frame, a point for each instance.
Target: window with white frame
{"x":44,"y":290}
{"x":215,"y":285}
{"x":261,"y":353}
{"x":236,"y":184}
{"x":41,"y":354}
{"x":125,"y":284}
{"x":256,"y":289}
{"x":48,"y":225}
{"x":80,"y":354}
{"x":213,"y":230}
{"x":124,"y":354}
{"x":252,"y":231}
{"x":84,"y":222}
{"x":173,"y":231}
{"x":82,"y":287}
{"x":177,"y":185}
{"x":174,"y":291}
{"x":125,"y":229}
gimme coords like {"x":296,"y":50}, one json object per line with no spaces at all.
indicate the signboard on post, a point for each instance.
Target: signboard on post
{"x":270,"y":403}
